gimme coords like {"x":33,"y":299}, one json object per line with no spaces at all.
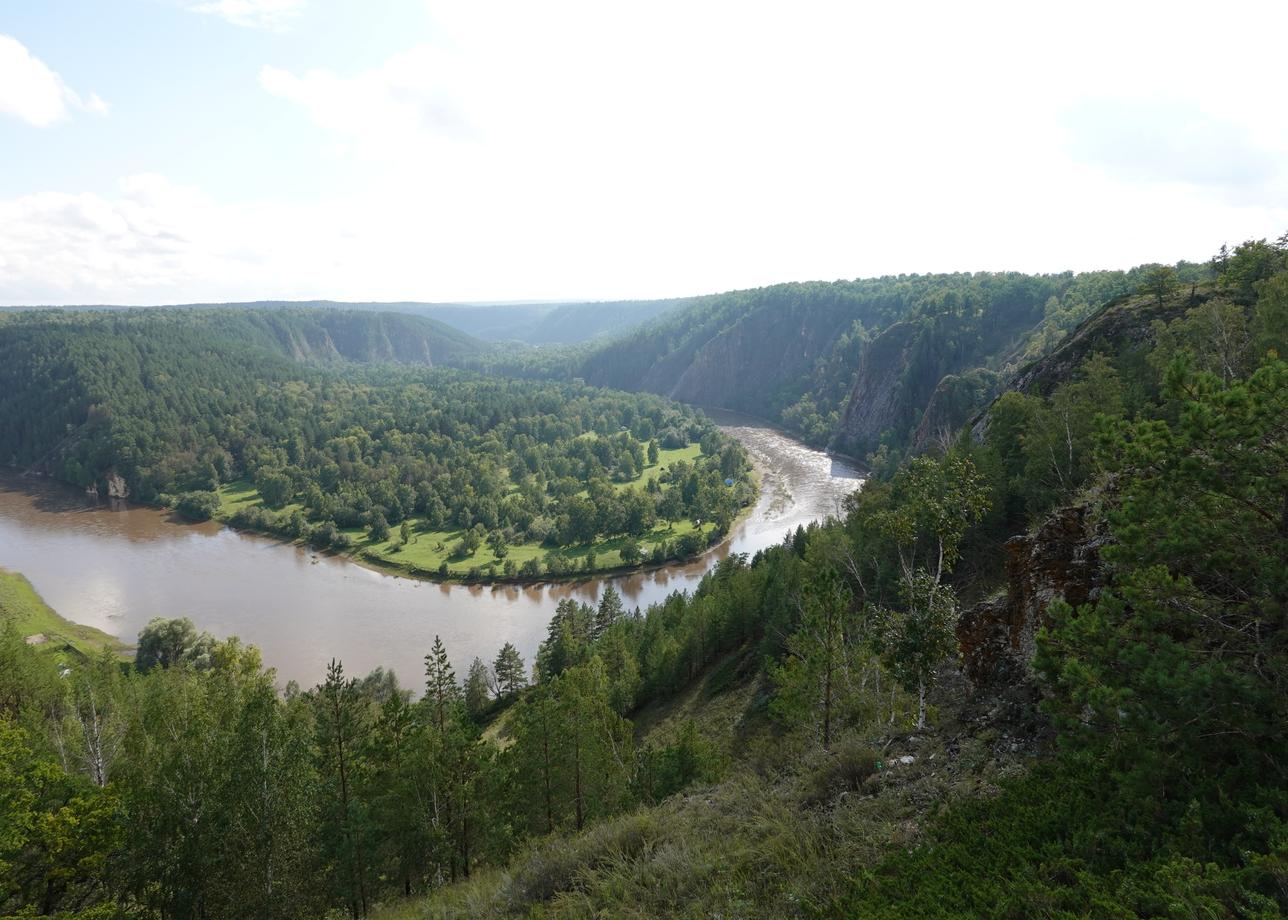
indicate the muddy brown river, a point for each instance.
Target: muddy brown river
{"x":117,"y":568}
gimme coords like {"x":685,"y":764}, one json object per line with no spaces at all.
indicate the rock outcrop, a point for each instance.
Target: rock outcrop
{"x":1119,"y":327}
{"x":955,"y":400}
{"x":1061,"y":559}
{"x":116,"y":487}
{"x":883,"y":398}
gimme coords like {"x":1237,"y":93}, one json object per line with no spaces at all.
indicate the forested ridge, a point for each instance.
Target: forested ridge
{"x":848,"y":364}
{"x":797,"y":737}
{"x":543,"y":323}
{"x":327,"y":426}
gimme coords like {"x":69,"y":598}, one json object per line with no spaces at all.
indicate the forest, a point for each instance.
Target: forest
{"x":799,"y":736}
{"x":851,"y":365}
{"x":316,"y":426}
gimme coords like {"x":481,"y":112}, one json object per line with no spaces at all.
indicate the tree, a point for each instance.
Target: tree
{"x":379,"y":528}
{"x":608,"y":612}
{"x":442,"y":693}
{"x":496,"y":541}
{"x":821,"y":648}
{"x":630,"y":551}
{"x":57,"y":834}
{"x":341,"y":725}
{"x":478,"y":692}
{"x":198,"y":506}
{"x":1159,"y":281}
{"x":598,"y":741}
{"x":1178,"y":672}
{"x":274,"y":488}
{"x":919,"y":634}
{"x":166,"y":643}
{"x":933,"y":502}
{"x":511,"y":677}
{"x":652,"y":452}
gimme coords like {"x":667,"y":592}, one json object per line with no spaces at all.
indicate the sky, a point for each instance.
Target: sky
{"x":171,"y":151}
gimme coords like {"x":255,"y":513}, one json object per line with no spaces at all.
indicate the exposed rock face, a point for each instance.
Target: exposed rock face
{"x":883,"y":398}
{"x":1061,"y":559}
{"x":742,"y":365}
{"x":1118,"y":328}
{"x":778,"y":346}
{"x":116,"y":487}
{"x":955,"y":400}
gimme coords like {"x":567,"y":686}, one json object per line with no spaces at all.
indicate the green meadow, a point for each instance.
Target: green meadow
{"x":27,"y":614}
{"x":427,"y":549}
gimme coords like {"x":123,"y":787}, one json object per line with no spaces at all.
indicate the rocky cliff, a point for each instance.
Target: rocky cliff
{"x":956,"y":399}
{"x":877,"y":401}
{"x":1122,"y":326}
{"x":1061,"y":559}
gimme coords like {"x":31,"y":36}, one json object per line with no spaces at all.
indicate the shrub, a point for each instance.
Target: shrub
{"x":843,"y":769}
{"x":198,"y":506}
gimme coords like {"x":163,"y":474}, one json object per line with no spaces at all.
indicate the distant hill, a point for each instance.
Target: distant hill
{"x":552,"y":323}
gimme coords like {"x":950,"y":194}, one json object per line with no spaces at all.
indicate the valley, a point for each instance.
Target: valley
{"x":114,"y":569}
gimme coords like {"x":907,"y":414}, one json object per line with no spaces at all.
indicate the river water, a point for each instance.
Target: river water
{"x":117,"y":568}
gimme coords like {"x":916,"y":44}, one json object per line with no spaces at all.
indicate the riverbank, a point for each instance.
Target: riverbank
{"x":115,"y":566}
{"x":386,"y":566}
{"x":414,"y":549}
{"x":23,"y":610}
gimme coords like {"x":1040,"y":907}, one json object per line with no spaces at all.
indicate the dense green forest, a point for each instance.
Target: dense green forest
{"x":795,"y":738}
{"x":330,"y":427}
{"x":849,"y":364}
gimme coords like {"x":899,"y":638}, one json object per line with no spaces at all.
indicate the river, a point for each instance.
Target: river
{"x":117,"y":568}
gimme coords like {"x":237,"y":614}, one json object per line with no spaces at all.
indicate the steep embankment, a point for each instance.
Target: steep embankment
{"x":1124,"y":327}
{"x":853,"y":363}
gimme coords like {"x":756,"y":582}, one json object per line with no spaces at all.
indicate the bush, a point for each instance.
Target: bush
{"x":843,"y":769}
{"x":198,"y":506}
{"x":555,"y":864}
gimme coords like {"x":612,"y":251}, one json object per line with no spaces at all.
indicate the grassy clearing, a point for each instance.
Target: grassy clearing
{"x":27,"y":613}
{"x":427,"y":548}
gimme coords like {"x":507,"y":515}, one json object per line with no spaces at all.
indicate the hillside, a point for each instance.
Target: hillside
{"x":850,"y":364}
{"x":1099,"y":744}
{"x":544,"y":323}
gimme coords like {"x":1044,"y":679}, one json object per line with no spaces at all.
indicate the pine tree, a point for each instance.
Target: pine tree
{"x":509,"y":671}
{"x":341,"y":723}
{"x":608,"y":612}
{"x":478,"y":688}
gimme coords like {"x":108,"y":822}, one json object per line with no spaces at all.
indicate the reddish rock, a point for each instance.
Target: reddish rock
{"x":1060,"y":559}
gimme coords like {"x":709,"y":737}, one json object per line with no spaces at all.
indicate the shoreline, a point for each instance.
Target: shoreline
{"x":390,"y":567}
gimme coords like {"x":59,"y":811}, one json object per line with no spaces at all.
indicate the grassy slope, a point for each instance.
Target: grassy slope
{"x":428,"y":549}
{"x":23,"y":609}
{"x":783,"y":833}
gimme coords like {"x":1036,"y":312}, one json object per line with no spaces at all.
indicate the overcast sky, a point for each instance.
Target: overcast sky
{"x":160,"y":151}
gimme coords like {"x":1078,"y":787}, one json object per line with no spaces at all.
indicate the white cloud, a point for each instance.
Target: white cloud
{"x":584,"y":149}
{"x":255,"y":14}
{"x":29,"y":90}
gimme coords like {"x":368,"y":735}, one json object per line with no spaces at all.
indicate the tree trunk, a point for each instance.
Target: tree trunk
{"x":921,"y":703}
{"x":576,"y":754}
